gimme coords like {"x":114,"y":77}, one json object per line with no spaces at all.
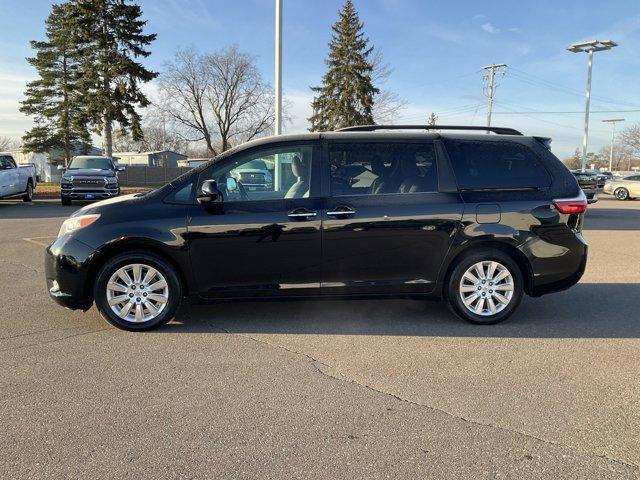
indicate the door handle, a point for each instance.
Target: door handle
{"x":341,"y":211}
{"x":301,"y":215}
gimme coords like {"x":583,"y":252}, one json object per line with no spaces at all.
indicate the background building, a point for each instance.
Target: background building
{"x":163,"y":158}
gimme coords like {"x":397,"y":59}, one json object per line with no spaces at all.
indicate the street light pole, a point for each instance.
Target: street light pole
{"x":278,"y":73}
{"x":589,"y":47}
{"x":585,"y":137}
{"x":612,"y":121}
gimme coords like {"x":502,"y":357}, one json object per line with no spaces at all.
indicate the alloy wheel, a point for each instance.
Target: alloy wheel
{"x":137,"y":293}
{"x":621,"y":194}
{"x":486,"y":288}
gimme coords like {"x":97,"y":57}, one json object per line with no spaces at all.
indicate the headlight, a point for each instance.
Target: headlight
{"x":111,"y":180}
{"x":72,"y":224}
{"x":66,"y":179}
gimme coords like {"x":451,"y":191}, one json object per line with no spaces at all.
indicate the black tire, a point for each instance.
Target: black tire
{"x":452,"y":286}
{"x":158,"y":263}
{"x":65,"y":200}
{"x":28,"y":195}
{"x":621,"y":193}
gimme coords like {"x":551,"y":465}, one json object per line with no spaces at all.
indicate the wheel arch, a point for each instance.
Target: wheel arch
{"x":520,"y":258}
{"x":133,"y":245}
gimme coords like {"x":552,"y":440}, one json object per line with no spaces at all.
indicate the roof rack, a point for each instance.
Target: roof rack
{"x":371,"y":128}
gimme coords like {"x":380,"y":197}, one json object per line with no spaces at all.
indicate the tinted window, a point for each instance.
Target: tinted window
{"x":493,"y":164}
{"x":6,"y":163}
{"x":382,"y":168}
{"x":265,"y":174}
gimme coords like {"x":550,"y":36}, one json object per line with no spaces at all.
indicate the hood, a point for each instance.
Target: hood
{"x":122,"y":201}
{"x":88,"y":172}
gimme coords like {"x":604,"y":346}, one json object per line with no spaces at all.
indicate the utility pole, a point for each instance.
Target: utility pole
{"x":491,"y":71}
{"x":589,"y":47}
{"x":612,"y":121}
{"x":278,"y":73}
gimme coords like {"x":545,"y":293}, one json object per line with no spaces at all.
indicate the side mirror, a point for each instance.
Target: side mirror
{"x":60,"y":168}
{"x":120,"y":168}
{"x":209,"y":192}
{"x":232,"y":184}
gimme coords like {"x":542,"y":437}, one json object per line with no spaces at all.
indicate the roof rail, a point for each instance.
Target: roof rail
{"x":371,"y":128}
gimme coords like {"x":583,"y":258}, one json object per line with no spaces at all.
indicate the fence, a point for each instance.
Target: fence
{"x":134,"y":176}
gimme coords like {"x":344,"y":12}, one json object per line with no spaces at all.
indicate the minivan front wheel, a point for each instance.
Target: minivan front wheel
{"x":137,"y":291}
{"x":485,"y":287}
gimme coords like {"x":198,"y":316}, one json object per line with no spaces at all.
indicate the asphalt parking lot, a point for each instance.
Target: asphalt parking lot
{"x":359,"y":389}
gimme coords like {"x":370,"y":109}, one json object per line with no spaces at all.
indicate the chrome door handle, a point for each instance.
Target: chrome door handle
{"x":300,"y":215}
{"x":335,"y":213}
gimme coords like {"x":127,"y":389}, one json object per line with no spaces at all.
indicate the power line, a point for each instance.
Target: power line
{"x":537,"y":112}
{"x":540,"y":82}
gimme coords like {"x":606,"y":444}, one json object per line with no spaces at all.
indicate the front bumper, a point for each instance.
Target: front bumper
{"x":89,"y":193}
{"x":66,"y":264}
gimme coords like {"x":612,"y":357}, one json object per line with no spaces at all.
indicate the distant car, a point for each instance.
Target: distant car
{"x":603,"y":177}
{"x":588,"y":183}
{"x":254,"y":176}
{"x":624,"y":188}
{"x":89,"y":178}
{"x":16,"y":180}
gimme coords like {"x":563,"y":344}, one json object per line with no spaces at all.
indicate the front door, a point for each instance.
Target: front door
{"x":8,"y":176}
{"x":263,"y":239}
{"x":387,"y":227}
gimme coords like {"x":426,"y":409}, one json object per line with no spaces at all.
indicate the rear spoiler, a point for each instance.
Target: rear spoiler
{"x":546,"y":141}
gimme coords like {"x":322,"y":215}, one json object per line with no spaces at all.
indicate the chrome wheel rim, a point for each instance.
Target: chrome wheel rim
{"x":621,"y":194}
{"x":137,"y":293}
{"x":486,"y":288}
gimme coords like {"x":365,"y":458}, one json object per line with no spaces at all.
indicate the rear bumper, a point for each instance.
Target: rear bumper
{"x":66,"y":265}
{"x":559,"y":265}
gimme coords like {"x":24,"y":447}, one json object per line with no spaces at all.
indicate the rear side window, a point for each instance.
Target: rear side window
{"x":496,"y":165}
{"x":382,"y":168}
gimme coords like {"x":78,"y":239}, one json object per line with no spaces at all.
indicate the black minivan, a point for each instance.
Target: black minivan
{"x":476,"y":219}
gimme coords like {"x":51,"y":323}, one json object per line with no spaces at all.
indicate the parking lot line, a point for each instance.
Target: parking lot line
{"x":36,"y":240}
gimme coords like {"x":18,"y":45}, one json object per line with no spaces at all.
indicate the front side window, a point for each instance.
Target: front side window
{"x":496,"y":165}
{"x":382,"y":168}
{"x":266,"y":174}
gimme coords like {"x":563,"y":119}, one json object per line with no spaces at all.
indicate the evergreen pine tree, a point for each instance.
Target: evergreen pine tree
{"x":347,"y":92}
{"x":60,"y":119}
{"x":111,"y":39}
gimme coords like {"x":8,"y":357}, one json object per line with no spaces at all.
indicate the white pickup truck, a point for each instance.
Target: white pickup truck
{"x":16,"y":180}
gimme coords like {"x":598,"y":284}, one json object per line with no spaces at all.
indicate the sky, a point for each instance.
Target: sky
{"x":436,"y":51}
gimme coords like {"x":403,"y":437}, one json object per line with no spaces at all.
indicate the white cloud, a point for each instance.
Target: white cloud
{"x":489,"y":28}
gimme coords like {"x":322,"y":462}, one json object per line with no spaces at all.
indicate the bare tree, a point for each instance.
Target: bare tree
{"x":630,"y":145}
{"x":7,"y":143}
{"x":219,"y":99}
{"x":387,"y":105}
{"x":158,"y":135}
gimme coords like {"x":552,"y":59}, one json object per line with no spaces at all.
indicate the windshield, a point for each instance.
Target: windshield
{"x":255,"y":164}
{"x":97,"y":163}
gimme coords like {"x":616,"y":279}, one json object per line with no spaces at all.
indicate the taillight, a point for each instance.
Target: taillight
{"x":571,"y":206}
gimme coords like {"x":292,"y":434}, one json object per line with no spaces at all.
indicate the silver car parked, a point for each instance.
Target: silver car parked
{"x":624,"y":188}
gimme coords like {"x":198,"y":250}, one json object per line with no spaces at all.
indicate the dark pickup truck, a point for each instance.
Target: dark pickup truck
{"x":89,"y":178}
{"x":588,"y":182}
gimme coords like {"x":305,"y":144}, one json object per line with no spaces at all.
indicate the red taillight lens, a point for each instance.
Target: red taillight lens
{"x":570,"y":207}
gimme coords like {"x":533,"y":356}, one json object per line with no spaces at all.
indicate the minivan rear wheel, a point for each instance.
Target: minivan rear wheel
{"x":485,"y":287}
{"x":137,"y":291}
